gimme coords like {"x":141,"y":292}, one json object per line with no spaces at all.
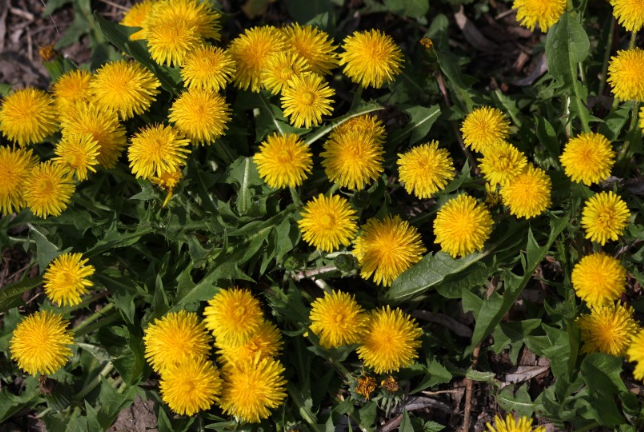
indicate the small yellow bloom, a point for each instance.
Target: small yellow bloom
{"x":635,"y":353}
{"x":604,"y":217}
{"x":510,"y":424}
{"x":543,"y":12}
{"x":306,"y":99}
{"x":251,"y":52}
{"x":27,"y":116}
{"x":157,"y":149}
{"x":502,"y":163}
{"x":170,"y":40}
{"x":40,"y":343}
{"x":266,"y":342}
{"x":201,"y":115}
{"x":391,"y":341}
{"x":366,"y":124}
{"x":629,"y":13}
{"x":462,"y":226}
{"x":607,"y":329}
{"x":79,"y":153}
{"x":371,"y":58}
{"x":208,"y":68}
{"x":66,"y":279}
{"x":528,"y":194}
{"x":425,"y":169}
{"x":168,"y":181}
{"x":49,"y":189}
{"x":386,"y":248}
{"x":197,"y":14}
{"x":280,"y":68}
{"x":15,"y":165}
{"x":190,"y":386}
{"x":599,"y":279}
{"x":233,"y":316}
{"x":625,"y":71}
{"x":485,"y":127}
{"x":283,"y":160}
{"x":72,"y":87}
{"x":588,"y":158}
{"x":314,"y":45}
{"x":136,"y":16}
{"x":352,"y":159}
{"x":328,"y":222}
{"x":338,"y":319}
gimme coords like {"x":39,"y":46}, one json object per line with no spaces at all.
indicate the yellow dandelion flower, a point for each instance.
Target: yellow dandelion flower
{"x":604,"y":217}
{"x":201,"y":115}
{"x":365,"y":386}
{"x":79,"y":153}
{"x":607,"y":329}
{"x":266,"y":342}
{"x":40,"y":343}
{"x":190,"y":386}
{"x":390,"y":342}
{"x":510,"y":424}
{"x":599,"y":279}
{"x":365,"y":124}
{"x":386,"y":248}
{"x":588,"y":158}
{"x":125,"y":88}
{"x":28,"y":116}
{"x":103,"y":126}
{"x":492,"y":195}
{"x":328,"y":222}
{"x":136,"y":16}
{"x":49,"y":189}
{"x":280,"y":68}
{"x":314,"y":45}
{"x":635,"y":353}
{"x":425,"y":169}
{"x":208,"y":68}
{"x":157,"y":149}
{"x":253,"y":388}
{"x":501,"y":163}
{"x":625,"y":71}
{"x":251,"y":52}
{"x":371,"y":58}
{"x":15,"y":166}
{"x":485,"y":127}
{"x":72,"y":87}
{"x":528,"y":194}
{"x":352,"y":159}
{"x":283,"y":160}
{"x":462,"y":226}
{"x":233,"y":316}
{"x":306,"y":99}
{"x":170,"y":40}
{"x":197,"y":14}
{"x":168,"y":181}
{"x":66,"y":279}
{"x":543,"y":12}
{"x":338,"y":319}
{"x":174,"y":338}
{"x":629,"y":13}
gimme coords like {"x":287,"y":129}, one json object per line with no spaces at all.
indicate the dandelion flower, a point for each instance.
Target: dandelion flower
{"x":136,"y":16}
{"x":251,"y":52}
{"x":15,"y":166}
{"x":501,"y":163}
{"x":528,"y":194}
{"x":314,"y":45}
{"x":366,"y":124}
{"x":252,"y":388}
{"x":386,"y":248}
{"x":170,"y":40}
{"x":353,"y":160}
{"x":599,"y":279}
{"x":49,"y":189}
{"x":371,"y":58}
{"x":306,"y":99}
{"x":543,"y":12}
{"x":510,"y":424}
{"x":283,"y":160}
{"x":201,"y":115}
{"x":462,"y":226}
{"x":492,"y":195}
{"x":390,"y":342}
{"x":197,"y":14}
{"x":27,"y":116}
{"x":280,"y":68}
{"x":266,"y":342}
{"x":40,"y":343}
{"x":338,"y":319}
{"x":629,"y":13}
{"x":485,"y":127}
{"x":157,"y":149}
{"x":79,"y":153}
{"x":168,"y":181}
{"x":607,"y":329}
{"x":604,"y":217}
{"x":174,"y":338}
{"x":103,"y":126}
{"x":190,"y":386}
{"x":625,"y":71}
{"x":328,"y":222}
{"x":233,"y":316}
{"x":125,"y":88}
{"x":208,"y":68}
{"x":66,"y":279}
{"x":588,"y":158}
{"x":425,"y":169}
{"x":72,"y":87}
{"x":635,"y":353}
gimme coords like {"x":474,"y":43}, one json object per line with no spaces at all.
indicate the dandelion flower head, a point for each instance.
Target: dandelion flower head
{"x":280,"y":68}
{"x":27,"y":116}
{"x":251,"y":52}
{"x":328,"y":222}
{"x":49,"y":189}
{"x":266,"y":342}
{"x":485,"y":127}
{"x":607,"y":329}
{"x":67,"y":279}
{"x":625,"y":71}
{"x":543,"y":12}
{"x":72,"y":87}
{"x":501,"y":163}
{"x":15,"y":165}
{"x":201,"y":115}
{"x":305,"y":99}
{"x":366,"y":124}
{"x":314,"y":45}
{"x":371,"y":58}
{"x":136,"y":16}
{"x":510,"y":424}
{"x":190,"y":386}
{"x":629,"y":13}
{"x":157,"y":149}
{"x":599,"y":279}
{"x":635,"y":353}
{"x":352,"y":159}
{"x":170,"y":40}
{"x":208,"y":68}
{"x":425,"y":169}
{"x":197,"y":14}
{"x":588,"y":158}
{"x":604,"y":217}
{"x":528,"y":194}
{"x":79,"y":153}
{"x":283,"y":160}
{"x":233,"y":316}
{"x":338,"y":319}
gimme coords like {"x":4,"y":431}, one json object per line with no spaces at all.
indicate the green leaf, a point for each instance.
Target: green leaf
{"x":361,"y":109}
{"x":243,"y":173}
{"x":304,"y":11}
{"x":46,"y":251}
{"x":566,"y":46}
{"x":459,"y":82}
{"x":405,"y":424}
{"x":409,"y":8}
{"x":602,"y":374}
{"x":11,"y":296}
{"x":548,"y":137}
{"x":519,"y":401}
{"x":420,"y":123}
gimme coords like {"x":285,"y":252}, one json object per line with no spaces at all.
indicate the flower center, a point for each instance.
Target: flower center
{"x":307,"y":98}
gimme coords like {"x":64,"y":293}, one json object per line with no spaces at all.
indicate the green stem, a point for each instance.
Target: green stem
{"x":81,"y":329}
{"x":588,"y":427}
{"x":357,"y":97}
{"x":623,"y":157}
{"x":609,"y":47}
{"x":94,"y":382}
{"x":333,"y":189}
{"x":631,"y":44}
{"x":296,"y":197}
{"x":581,"y":109}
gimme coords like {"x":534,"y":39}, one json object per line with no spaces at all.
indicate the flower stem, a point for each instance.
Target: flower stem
{"x":609,"y":48}
{"x":82,"y":328}
{"x":94,"y":382}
